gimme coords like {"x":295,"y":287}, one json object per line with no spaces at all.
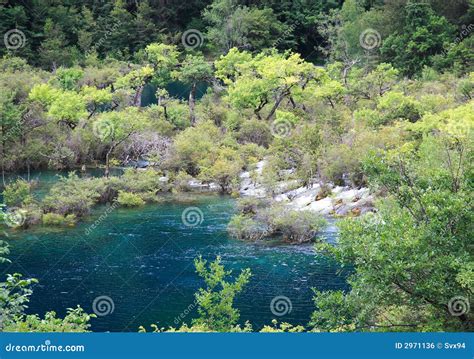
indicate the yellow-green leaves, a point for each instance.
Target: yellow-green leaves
{"x":457,"y":122}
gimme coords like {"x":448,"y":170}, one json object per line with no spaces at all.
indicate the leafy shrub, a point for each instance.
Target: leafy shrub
{"x":181,"y":182}
{"x":282,"y":328}
{"x":244,"y":227}
{"x":255,"y":131}
{"x":250,"y":205}
{"x":17,"y":193}
{"x":296,"y":226}
{"x":72,"y":195}
{"x":215,"y":302}
{"x":251,"y":153}
{"x":76,"y":320}
{"x":129,"y":199}
{"x":54,"y":219}
{"x":141,"y":180}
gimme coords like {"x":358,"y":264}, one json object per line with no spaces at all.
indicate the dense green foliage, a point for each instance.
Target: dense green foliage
{"x":258,"y":220}
{"x":14,"y":298}
{"x":415,"y":254}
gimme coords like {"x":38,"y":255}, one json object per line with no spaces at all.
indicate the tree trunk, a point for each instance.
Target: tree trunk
{"x":3,"y":155}
{"x":276,"y":105}
{"x":107,"y":163}
{"x":137,"y":99}
{"x":192,"y":104}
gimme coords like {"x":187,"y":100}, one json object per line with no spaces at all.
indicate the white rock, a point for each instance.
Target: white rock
{"x":283,"y":187}
{"x":323,"y":206}
{"x":337,"y":190}
{"x":305,"y":198}
{"x":281,"y":198}
{"x":260,"y":166}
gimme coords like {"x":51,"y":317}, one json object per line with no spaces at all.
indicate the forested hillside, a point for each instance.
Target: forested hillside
{"x":358,"y":93}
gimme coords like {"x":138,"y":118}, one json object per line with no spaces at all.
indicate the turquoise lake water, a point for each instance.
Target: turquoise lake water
{"x":143,"y":260}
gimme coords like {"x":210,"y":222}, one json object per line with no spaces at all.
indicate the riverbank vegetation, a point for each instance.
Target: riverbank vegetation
{"x":355,"y":93}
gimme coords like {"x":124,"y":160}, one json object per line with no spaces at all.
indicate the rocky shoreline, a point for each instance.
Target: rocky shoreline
{"x":324,"y":199}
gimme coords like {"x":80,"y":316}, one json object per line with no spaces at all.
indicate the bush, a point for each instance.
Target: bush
{"x":296,"y":226}
{"x":141,"y":181}
{"x":244,"y":227}
{"x":72,"y":195}
{"x":129,"y":199}
{"x":250,"y":205}
{"x":255,"y":131}
{"x":181,"y":182}
{"x":260,"y":220}
{"x":17,"y":193}
{"x":76,"y":320}
{"x":54,"y":219}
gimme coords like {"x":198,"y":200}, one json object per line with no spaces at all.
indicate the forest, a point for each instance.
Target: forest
{"x":300,"y":112}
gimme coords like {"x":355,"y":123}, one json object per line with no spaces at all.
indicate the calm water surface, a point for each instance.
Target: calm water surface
{"x":143,"y":260}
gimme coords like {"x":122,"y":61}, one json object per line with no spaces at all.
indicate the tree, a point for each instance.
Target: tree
{"x":215,"y":302}
{"x":423,"y":35}
{"x":194,"y":145}
{"x":224,"y":168}
{"x":114,"y":128}
{"x":263,"y":80}
{"x":194,"y":69}
{"x":135,"y":80}
{"x":164,"y":59}
{"x":10,"y":122}
{"x":412,"y":258}
{"x":54,"y":50}
{"x":233,"y":25}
